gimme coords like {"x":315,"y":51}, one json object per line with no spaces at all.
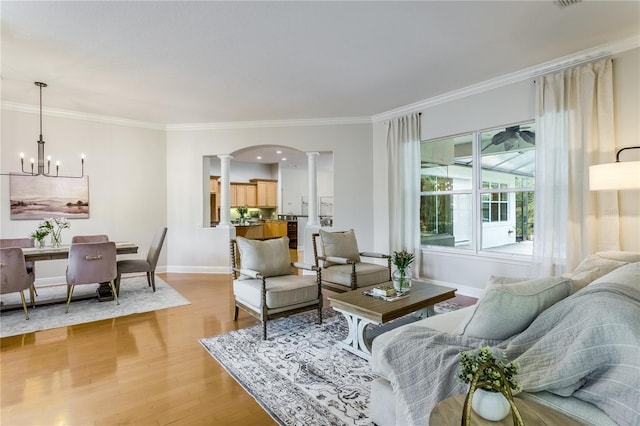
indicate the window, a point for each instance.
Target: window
{"x":489,"y":208}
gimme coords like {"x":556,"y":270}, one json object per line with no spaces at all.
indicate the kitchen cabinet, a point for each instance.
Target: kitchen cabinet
{"x":275,"y":229}
{"x":267,"y":192}
{"x":242,"y":194}
{"x":214,"y":199}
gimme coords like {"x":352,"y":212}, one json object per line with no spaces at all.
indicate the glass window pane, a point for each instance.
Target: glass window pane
{"x":508,"y":156}
{"x":513,"y":234}
{"x":446,"y":164}
{"x":446,"y":220}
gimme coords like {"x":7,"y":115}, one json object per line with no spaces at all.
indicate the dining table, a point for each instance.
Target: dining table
{"x":34,"y":254}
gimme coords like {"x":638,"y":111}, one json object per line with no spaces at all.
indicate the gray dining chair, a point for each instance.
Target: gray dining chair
{"x":91,"y":263}
{"x":89,"y":239}
{"x":31,"y":266}
{"x":13,"y":274}
{"x":147,"y":265}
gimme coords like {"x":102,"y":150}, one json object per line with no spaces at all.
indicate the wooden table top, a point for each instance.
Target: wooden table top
{"x":380,"y":311}
{"x":51,"y":253}
{"x":449,"y":412}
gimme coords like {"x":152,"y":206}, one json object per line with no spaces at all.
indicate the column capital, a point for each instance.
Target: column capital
{"x":225,"y":157}
{"x":312,"y":154}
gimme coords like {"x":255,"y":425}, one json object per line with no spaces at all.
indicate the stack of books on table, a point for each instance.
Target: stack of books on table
{"x":385,"y":291}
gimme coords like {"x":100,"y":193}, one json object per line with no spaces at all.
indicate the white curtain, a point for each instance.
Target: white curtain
{"x":403,"y":152}
{"x":575,"y":129}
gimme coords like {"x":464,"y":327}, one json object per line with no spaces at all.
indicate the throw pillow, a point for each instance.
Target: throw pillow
{"x":582,"y":279}
{"x":592,"y":267}
{"x":620,"y":256}
{"x":508,"y":309}
{"x":269,"y":257}
{"x":339,"y":244}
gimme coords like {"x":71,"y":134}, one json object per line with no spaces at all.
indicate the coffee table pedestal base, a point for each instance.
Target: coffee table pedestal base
{"x":355,"y":341}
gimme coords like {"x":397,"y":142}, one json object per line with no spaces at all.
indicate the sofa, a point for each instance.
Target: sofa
{"x":576,"y":338}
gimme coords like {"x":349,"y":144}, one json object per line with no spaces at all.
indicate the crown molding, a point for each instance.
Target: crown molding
{"x":584,"y":56}
{"x":558,"y":64}
{"x":270,"y":123}
{"x":62,"y":113}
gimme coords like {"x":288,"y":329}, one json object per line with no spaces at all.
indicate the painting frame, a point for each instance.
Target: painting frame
{"x":41,"y":197}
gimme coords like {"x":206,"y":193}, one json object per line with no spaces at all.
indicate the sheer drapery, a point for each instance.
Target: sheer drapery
{"x":403,"y":153}
{"x":575,"y":129}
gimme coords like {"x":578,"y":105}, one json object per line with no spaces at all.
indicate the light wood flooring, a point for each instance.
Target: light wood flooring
{"x":143,"y":369}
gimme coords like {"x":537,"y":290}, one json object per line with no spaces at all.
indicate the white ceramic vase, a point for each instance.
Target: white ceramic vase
{"x":492,"y":406}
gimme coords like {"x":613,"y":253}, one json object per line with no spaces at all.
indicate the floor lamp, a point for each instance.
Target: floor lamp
{"x":615,"y":176}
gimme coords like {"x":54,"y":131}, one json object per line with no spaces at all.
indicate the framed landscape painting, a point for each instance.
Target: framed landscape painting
{"x":41,"y":197}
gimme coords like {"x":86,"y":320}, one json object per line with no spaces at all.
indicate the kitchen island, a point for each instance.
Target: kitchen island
{"x":262,"y":229}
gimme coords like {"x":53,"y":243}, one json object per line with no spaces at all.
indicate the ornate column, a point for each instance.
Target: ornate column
{"x":225,"y":203}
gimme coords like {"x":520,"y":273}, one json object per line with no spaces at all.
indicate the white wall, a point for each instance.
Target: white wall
{"x":206,"y":249}
{"x":495,"y":108}
{"x":127,"y":179}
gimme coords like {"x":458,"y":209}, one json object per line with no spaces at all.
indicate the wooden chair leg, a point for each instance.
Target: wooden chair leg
{"x":264,"y":330}
{"x":319,"y":314}
{"x":149,"y":279}
{"x":235,"y":313}
{"x":24,"y":304}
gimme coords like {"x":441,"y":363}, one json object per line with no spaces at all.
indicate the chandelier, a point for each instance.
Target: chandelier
{"x":40,"y":167}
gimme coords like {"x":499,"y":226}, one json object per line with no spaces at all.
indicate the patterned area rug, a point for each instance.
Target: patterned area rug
{"x":135,"y":297}
{"x":298,"y":375}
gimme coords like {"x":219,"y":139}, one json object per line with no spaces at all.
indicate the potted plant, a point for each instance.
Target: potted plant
{"x":491,"y":380}
{"x":401,"y":276}
{"x":39,"y":235}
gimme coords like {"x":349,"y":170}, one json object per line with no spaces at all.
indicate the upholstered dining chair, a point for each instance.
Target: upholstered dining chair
{"x":91,"y":263}
{"x":342,"y":265}
{"x":13,"y":274}
{"x":147,"y":265}
{"x":31,"y":266}
{"x":89,"y":239}
{"x":266,"y":286}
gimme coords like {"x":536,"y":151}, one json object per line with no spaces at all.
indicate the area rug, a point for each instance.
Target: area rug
{"x":135,"y":297}
{"x":298,"y":375}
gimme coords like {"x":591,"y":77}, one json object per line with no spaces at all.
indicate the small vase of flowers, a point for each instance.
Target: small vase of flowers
{"x":401,"y":276}
{"x":491,"y":380}
{"x":242,"y":211}
{"x":39,"y":235}
{"x":52,"y":226}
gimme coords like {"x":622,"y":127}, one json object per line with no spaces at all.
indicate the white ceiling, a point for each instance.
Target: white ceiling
{"x":179,"y":62}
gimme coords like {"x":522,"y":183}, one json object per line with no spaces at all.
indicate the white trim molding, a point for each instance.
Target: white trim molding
{"x":271,"y":123}
{"x":584,"y":56}
{"x":63,"y":113}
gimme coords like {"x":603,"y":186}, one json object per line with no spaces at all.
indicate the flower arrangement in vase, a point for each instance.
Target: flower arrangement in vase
{"x":39,"y":235}
{"x":242,"y":211}
{"x":53,"y":226}
{"x":491,"y":380}
{"x":401,"y":276}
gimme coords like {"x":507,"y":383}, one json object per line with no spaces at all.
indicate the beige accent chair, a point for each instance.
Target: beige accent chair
{"x":13,"y":274}
{"x":342,"y":267}
{"x":265,"y":285}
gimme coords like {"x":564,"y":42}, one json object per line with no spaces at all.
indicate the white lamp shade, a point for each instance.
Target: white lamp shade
{"x":615,"y":176}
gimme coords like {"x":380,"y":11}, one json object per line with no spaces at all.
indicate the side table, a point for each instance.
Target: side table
{"x":449,"y":412}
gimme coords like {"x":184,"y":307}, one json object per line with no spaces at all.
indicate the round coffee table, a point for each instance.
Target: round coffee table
{"x":449,"y":412}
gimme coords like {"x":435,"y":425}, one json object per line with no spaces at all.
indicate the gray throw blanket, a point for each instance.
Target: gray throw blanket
{"x":586,"y":346}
